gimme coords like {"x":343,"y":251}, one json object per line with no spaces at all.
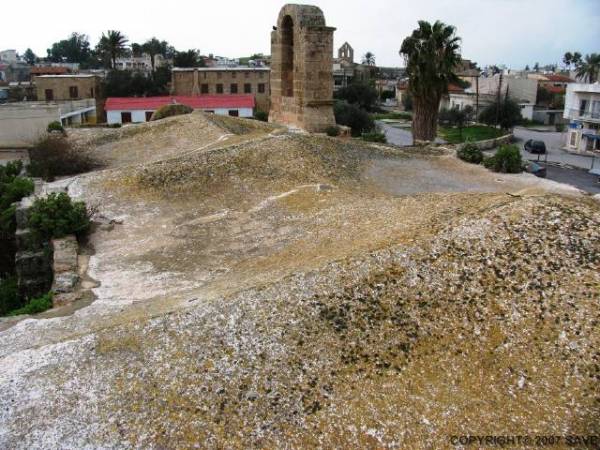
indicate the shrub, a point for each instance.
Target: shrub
{"x":8,"y":295}
{"x":332,"y":131}
{"x":392,"y":115}
{"x":470,"y":153}
{"x":170,"y":110}
{"x":374,"y":136}
{"x":262,"y":116}
{"x":53,"y":156}
{"x":37,"y":305}
{"x":359,"y":93}
{"x":506,"y":160}
{"x":354,"y":117}
{"x":56,"y":216}
{"x":508,"y":114}
{"x":55,"y":126}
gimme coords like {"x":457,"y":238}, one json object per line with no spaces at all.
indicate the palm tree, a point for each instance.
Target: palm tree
{"x":431,"y":54}
{"x":589,"y":68}
{"x":568,"y":59}
{"x":112,"y":45}
{"x":369,"y":59}
{"x":154,"y":47}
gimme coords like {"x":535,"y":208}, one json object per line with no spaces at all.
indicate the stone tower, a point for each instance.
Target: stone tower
{"x":301,"y":69}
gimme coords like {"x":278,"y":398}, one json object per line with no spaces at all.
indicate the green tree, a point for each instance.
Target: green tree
{"x":358,"y":93}
{"x":112,"y":45}
{"x":568,"y":59}
{"x":29,"y":57}
{"x":74,"y":49}
{"x":431,"y":54}
{"x":589,"y":68}
{"x":136,"y":49}
{"x":189,"y":58}
{"x":154,"y":47}
{"x":508,"y":114}
{"x":527,"y":69}
{"x":369,"y":59}
{"x":536,"y":67}
{"x":352,"y":116}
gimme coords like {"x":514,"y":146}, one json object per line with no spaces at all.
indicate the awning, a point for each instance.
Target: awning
{"x":591,"y":136}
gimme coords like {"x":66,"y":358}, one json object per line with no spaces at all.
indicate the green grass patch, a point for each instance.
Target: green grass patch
{"x":392,"y":116}
{"x":473,"y":133}
{"x":37,"y":305}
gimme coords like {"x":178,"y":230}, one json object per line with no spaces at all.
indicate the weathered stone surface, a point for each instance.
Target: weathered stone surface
{"x":65,"y":264}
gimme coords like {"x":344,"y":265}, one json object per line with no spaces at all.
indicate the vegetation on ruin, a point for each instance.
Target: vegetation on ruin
{"x":34,"y":306}
{"x":470,"y":153}
{"x":171,"y":110}
{"x":506,"y":160}
{"x":54,"y":156}
{"x":55,"y":126}
{"x":57,"y":215}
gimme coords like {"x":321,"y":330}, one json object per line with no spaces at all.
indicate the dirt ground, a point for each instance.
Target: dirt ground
{"x":262,"y":288}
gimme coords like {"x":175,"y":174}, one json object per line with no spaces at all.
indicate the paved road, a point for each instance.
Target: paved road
{"x":580,"y":178}
{"x":554,"y":143}
{"x":401,"y":136}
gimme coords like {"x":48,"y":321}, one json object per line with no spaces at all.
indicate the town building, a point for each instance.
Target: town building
{"x":582,"y":110}
{"x":141,"y":63}
{"x":346,"y":71}
{"x":80,"y":89}
{"x":140,"y":109}
{"x":9,"y":56}
{"x":203,"y":81}
{"x":38,"y":71}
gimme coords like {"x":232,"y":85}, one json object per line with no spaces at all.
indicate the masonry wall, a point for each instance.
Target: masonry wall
{"x":23,"y":125}
{"x":205,"y":82}
{"x":87,"y":87}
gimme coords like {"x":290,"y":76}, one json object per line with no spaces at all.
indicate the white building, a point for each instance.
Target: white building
{"x":9,"y":56}
{"x":140,"y":63}
{"x":582,"y":109}
{"x":139,"y":109}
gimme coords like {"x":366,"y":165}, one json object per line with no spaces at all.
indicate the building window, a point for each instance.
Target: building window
{"x":261,"y":88}
{"x":148,"y":115}
{"x":125,"y":117}
{"x":234,"y":113}
{"x":73,"y":92}
{"x":49,"y":93}
{"x":247,"y":88}
{"x":219,"y":88}
{"x":233,"y":88}
{"x":233,"y":74}
{"x":91,"y":92}
{"x":204,"y":89}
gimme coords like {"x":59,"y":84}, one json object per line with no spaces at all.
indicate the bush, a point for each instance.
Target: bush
{"x":57,"y":216}
{"x":506,"y":160}
{"x":352,"y":116}
{"x":392,"y":115}
{"x":508,"y":114}
{"x":8,"y":295}
{"x":55,"y":126}
{"x":470,"y":153}
{"x":53,"y":156}
{"x":360,"y":94}
{"x":37,"y":305}
{"x":262,"y":116}
{"x":170,"y":110}
{"x":332,"y":131}
{"x":374,"y":136}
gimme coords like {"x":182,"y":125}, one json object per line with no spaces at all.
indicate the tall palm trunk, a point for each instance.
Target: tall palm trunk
{"x":425,"y":117}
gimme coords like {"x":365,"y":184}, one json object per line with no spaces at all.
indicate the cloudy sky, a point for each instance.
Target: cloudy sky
{"x":510,"y":32}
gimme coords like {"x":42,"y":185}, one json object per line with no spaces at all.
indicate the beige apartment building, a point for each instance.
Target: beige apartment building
{"x":223,"y":81}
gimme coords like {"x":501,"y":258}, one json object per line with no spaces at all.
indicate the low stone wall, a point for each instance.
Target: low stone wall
{"x":64,"y":266}
{"x":489,"y":144}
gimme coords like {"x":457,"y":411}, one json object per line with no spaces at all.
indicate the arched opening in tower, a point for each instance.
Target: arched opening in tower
{"x":287,"y":57}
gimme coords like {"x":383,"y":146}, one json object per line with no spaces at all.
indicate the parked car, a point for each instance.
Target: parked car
{"x":537,"y":169}
{"x":535,"y":146}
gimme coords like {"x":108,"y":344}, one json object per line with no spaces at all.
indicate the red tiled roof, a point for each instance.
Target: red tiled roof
{"x":49,"y":70}
{"x":454,"y":88}
{"x":196,"y":102}
{"x":559,"y":78}
{"x":555,"y":89}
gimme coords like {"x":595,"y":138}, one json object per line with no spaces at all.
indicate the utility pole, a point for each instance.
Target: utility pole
{"x":498,"y":99}
{"x":477,"y":98}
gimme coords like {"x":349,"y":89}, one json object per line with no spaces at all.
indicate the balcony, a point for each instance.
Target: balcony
{"x":587,"y":116}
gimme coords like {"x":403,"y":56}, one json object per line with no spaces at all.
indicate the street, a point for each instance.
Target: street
{"x":554,"y":142}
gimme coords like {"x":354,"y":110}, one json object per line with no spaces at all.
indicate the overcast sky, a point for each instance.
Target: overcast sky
{"x":510,"y":32}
